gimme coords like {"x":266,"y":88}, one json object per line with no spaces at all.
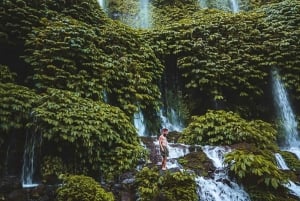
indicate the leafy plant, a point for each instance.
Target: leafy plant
{"x":227,"y":128}
{"x":254,"y":169}
{"x":52,"y":166}
{"x":151,"y":186}
{"x":100,"y":136}
{"x":80,"y":187}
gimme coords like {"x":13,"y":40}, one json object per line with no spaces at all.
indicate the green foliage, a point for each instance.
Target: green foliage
{"x":179,"y":186}
{"x":147,"y":184}
{"x":283,"y":42}
{"x":16,"y":104}
{"x":198,"y":162}
{"x":79,"y":187}
{"x":254,"y":169}
{"x":63,"y":55}
{"x":101,"y":136}
{"x":227,"y":128}
{"x":291,"y":160}
{"x":227,"y":57}
{"x":259,"y":194}
{"x":52,"y":166}
{"x":6,"y":76}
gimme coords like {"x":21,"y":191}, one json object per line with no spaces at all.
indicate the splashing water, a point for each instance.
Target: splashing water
{"x":286,"y":115}
{"x":29,"y":163}
{"x":294,"y":188}
{"x":234,"y":6}
{"x":173,"y":123}
{"x":102,"y":4}
{"x":144,"y":15}
{"x":220,"y":188}
{"x":139,"y":123}
{"x":280,"y":162}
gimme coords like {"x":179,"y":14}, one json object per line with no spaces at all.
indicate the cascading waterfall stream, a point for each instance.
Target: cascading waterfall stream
{"x":294,"y":188}
{"x":173,"y":123}
{"x":231,"y":5}
{"x":234,"y":6}
{"x":32,"y":143}
{"x":144,"y":15}
{"x":286,"y":115}
{"x":220,"y":188}
{"x":280,"y":162}
{"x":102,"y":4}
{"x":139,"y":123}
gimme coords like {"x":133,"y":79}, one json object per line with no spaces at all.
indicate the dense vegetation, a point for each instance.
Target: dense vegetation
{"x":75,"y":77}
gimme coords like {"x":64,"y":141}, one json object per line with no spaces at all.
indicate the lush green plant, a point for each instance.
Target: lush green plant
{"x":147,"y":184}
{"x":52,"y":166}
{"x":227,"y":128}
{"x":198,"y":162}
{"x":151,"y":186}
{"x":100,"y":136}
{"x":80,"y":187}
{"x":291,"y":160}
{"x":179,"y":186}
{"x":6,"y":76}
{"x":254,"y":169}
{"x":16,"y":104}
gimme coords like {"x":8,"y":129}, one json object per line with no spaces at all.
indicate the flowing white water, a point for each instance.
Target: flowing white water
{"x":173,"y":123}
{"x":102,"y":4}
{"x":139,"y":123}
{"x":294,"y":188}
{"x":280,"y":162}
{"x":228,"y":5}
{"x":220,"y":188}
{"x":234,"y":6}
{"x":29,"y":160}
{"x":286,"y":115}
{"x":144,"y":15}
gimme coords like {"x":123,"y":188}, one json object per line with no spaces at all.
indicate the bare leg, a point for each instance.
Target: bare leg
{"x":164,"y":163}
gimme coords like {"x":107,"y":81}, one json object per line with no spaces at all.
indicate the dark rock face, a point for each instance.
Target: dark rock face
{"x":11,"y":190}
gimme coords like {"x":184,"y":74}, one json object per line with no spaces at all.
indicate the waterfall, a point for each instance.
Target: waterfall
{"x":220,"y":188}
{"x":203,"y":3}
{"x":144,"y":15}
{"x":294,"y":188}
{"x":286,"y":115}
{"x":32,"y":143}
{"x":228,"y":5}
{"x":234,"y":6}
{"x":102,"y":4}
{"x":172,"y":123}
{"x":105,"y":97}
{"x":139,"y":122}
{"x":280,"y":162}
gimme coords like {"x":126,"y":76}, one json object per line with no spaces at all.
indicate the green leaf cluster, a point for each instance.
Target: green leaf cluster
{"x":80,"y":187}
{"x":151,"y":186}
{"x":228,"y":57}
{"x":15,"y":106}
{"x":101,"y":137}
{"x":218,"y":127}
{"x":254,"y":169}
{"x":52,"y":166}
{"x":6,"y":76}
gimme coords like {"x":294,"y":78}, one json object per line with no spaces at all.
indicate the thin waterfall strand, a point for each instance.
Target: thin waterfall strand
{"x":286,"y":115}
{"x":294,"y":188}
{"x":29,"y":159}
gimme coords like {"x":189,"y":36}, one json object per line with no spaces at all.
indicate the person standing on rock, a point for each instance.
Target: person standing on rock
{"x":163,"y":145}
